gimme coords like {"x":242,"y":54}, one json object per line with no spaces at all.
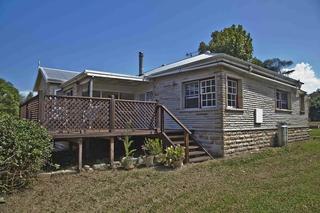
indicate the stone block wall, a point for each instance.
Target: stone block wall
{"x":248,"y":140}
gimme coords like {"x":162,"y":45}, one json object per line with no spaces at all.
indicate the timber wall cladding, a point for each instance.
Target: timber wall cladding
{"x":247,"y":140}
{"x":169,"y":91}
{"x":261,"y":94}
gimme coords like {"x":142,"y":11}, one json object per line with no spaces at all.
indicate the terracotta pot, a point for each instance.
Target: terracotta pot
{"x":149,"y":160}
{"x":177,"y":164}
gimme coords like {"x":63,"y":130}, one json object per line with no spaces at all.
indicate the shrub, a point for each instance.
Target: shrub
{"x":24,"y":149}
{"x":153,"y":146}
{"x":174,"y":154}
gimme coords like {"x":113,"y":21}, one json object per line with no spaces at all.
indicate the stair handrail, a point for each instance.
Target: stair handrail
{"x":175,"y":119}
{"x":187,"y":132}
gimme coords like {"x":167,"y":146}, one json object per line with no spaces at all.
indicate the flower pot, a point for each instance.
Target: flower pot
{"x":128,"y":163}
{"x":149,"y":160}
{"x":177,"y":164}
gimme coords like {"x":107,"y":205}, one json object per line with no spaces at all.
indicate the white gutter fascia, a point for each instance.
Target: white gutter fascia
{"x":227,"y":65}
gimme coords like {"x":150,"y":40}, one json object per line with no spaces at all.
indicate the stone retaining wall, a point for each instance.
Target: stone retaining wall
{"x":247,"y":140}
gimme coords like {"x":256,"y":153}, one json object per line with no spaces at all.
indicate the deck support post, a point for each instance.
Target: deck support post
{"x":186,"y":144}
{"x":79,"y":154}
{"x":111,"y":150}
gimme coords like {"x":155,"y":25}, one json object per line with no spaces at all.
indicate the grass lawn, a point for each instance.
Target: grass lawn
{"x":275,"y":180}
{"x":315,"y":132}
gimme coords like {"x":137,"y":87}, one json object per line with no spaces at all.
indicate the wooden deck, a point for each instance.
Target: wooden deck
{"x":74,"y":118}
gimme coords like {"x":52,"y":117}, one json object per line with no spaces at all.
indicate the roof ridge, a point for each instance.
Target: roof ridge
{"x":185,"y":58}
{"x":60,"y":69}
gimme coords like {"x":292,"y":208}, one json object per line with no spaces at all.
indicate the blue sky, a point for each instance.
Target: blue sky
{"x":107,"y":35}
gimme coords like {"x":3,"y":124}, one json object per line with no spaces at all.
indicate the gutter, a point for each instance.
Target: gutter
{"x":223,"y":63}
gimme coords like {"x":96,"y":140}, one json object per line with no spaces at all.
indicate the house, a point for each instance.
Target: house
{"x":228,"y":105}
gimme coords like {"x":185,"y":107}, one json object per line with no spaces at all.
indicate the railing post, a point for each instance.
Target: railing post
{"x":157,"y":116}
{"x":112,"y":113}
{"x":186,"y":145}
{"x":41,"y":106}
{"x":161,"y":119}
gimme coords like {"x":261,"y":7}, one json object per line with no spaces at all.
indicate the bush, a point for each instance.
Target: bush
{"x":24,"y":149}
{"x":174,"y":154}
{"x":153,"y":146}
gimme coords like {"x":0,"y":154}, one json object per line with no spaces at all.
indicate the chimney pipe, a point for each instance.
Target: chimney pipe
{"x":140,"y":63}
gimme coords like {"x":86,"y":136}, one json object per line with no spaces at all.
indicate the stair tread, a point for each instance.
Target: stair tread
{"x":191,"y":153}
{"x":199,"y":159}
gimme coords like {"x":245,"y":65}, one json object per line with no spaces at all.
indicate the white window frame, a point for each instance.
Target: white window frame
{"x":234,"y":93}
{"x":206,"y":93}
{"x":192,"y":96}
{"x":199,"y":93}
{"x":281,"y":100}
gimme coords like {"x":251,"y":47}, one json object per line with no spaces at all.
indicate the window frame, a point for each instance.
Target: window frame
{"x":200,"y":93}
{"x":236,"y":93}
{"x":302,"y":103}
{"x":281,"y":92}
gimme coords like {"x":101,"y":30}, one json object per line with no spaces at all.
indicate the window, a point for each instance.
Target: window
{"x":200,"y":94}
{"x":232,"y":93}
{"x":208,"y":93}
{"x":69,"y":93}
{"x":147,"y":96}
{"x":282,"y":99}
{"x":302,"y":104}
{"x":191,"y":92}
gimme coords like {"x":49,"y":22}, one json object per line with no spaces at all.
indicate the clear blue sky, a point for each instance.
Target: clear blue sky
{"x":107,"y":35}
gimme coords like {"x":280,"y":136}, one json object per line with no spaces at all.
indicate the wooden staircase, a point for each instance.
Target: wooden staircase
{"x":196,"y":152}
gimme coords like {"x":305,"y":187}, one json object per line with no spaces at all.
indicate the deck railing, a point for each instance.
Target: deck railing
{"x":72,"y":114}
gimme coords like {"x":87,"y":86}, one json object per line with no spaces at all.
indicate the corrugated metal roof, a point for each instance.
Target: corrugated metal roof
{"x":179,"y":64}
{"x":57,"y":75}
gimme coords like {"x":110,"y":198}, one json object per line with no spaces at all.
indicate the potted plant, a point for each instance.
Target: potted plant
{"x":153,"y":148}
{"x":128,"y":161}
{"x":175,"y":156}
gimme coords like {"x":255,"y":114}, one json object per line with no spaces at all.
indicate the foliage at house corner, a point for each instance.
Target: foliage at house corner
{"x":9,"y":98}
{"x":25,"y":148}
{"x":232,"y":40}
{"x":237,"y":42}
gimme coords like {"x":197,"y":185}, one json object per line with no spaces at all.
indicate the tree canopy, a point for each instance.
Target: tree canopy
{"x":274,"y":64}
{"x":237,"y":42}
{"x":9,"y":98}
{"x":232,"y":40}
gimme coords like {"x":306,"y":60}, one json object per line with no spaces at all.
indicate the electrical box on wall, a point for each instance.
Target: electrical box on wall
{"x":258,"y":116}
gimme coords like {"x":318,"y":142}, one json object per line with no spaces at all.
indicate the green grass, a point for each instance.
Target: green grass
{"x":275,"y":180}
{"x":315,"y":132}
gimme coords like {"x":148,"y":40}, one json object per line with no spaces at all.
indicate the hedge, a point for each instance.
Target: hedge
{"x":25,"y":147}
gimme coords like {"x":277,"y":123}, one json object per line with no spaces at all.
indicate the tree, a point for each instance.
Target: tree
{"x":9,"y":98}
{"x":276,"y":64}
{"x":232,"y":40}
{"x":202,"y":47}
{"x":314,"y":110}
{"x":29,"y":96}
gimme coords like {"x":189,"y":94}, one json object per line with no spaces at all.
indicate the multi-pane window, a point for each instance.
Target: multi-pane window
{"x":208,"y":93}
{"x":282,"y":99}
{"x":191,"y":93}
{"x":232,"y":93}
{"x":200,"y":94}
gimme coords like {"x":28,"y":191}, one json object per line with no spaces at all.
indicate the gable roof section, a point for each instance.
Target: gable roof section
{"x":52,"y":75}
{"x":215,"y":59}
